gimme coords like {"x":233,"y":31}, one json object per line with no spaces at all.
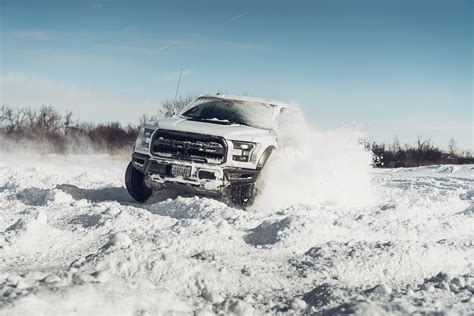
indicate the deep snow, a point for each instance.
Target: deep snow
{"x":73,"y":242}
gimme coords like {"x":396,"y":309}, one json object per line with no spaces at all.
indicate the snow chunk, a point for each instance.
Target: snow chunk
{"x":33,"y":196}
{"x":237,"y":307}
{"x":267,"y":233}
{"x":30,"y":222}
{"x":326,"y":294}
{"x":119,"y":240}
{"x":382,"y":290}
{"x":459,"y":282}
{"x":297,"y":304}
{"x":212,"y":296}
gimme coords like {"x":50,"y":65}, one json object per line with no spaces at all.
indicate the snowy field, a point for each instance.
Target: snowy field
{"x":383,"y":242}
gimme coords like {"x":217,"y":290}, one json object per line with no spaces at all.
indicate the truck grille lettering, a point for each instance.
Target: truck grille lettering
{"x":189,"y":146}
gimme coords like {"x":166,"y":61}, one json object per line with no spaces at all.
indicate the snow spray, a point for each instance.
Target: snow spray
{"x":314,"y":167}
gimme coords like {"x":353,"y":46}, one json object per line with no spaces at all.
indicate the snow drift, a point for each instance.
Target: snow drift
{"x":346,"y":239}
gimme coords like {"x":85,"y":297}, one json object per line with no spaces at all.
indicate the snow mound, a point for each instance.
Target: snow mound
{"x":399,"y":242}
{"x":195,"y":208}
{"x":31,"y":221}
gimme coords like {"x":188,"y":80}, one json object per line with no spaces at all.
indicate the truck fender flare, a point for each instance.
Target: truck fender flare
{"x":264,"y":157}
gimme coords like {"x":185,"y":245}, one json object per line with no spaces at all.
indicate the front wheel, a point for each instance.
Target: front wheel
{"x":242,"y":195}
{"x":135,"y":183}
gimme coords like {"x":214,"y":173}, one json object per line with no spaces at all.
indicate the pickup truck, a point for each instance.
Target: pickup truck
{"x":216,"y":146}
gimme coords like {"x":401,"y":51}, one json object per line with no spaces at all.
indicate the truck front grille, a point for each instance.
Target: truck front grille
{"x":189,"y":146}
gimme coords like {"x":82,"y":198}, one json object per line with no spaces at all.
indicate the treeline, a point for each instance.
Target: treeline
{"x":57,"y":132}
{"x":61,"y":133}
{"x":46,"y":129}
{"x":423,"y":153}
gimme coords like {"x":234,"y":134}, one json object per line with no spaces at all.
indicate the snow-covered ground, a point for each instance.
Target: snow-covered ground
{"x":73,"y":242}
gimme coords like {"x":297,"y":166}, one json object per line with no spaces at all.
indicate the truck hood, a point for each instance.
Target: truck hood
{"x":233,"y":131}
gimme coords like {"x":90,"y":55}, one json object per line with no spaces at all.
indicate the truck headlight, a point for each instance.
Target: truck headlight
{"x":144,"y":139}
{"x":245,"y":151}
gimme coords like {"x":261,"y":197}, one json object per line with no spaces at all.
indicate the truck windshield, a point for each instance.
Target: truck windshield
{"x":226,"y":111}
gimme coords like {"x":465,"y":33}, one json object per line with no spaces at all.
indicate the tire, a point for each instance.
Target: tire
{"x":242,"y":195}
{"x":135,"y":183}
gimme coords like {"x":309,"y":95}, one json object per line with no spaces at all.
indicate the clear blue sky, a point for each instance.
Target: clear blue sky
{"x":398,"y":68}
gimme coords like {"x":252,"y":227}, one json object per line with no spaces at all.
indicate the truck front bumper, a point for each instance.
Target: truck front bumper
{"x":204,"y":179}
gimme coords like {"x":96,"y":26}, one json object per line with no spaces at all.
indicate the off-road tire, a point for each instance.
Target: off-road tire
{"x":135,"y":183}
{"x":242,"y":195}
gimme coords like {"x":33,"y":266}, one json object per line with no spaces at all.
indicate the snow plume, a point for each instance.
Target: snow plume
{"x":327,"y":168}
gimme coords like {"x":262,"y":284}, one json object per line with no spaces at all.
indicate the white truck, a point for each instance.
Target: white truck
{"x":216,"y":146}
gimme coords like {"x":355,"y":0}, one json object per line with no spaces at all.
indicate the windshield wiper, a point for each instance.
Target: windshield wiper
{"x":241,"y":123}
{"x":215,"y":121}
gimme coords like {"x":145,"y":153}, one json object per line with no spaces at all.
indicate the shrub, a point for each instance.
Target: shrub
{"x":48,"y":126}
{"x":421,"y":154}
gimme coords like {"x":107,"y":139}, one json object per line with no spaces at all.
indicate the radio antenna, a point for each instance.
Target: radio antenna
{"x":177,"y":86}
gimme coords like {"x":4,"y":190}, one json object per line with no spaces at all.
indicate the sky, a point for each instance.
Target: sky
{"x":393,"y":68}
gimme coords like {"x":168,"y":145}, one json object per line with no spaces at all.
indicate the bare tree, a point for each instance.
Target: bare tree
{"x":396,"y":147}
{"x":31,"y":117}
{"x":49,"y":120}
{"x":452,"y":147}
{"x":170,"y":107}
{"x":467,"y":154}
{"x":3,"y":115}
{"x":145,"y":118}
{"x":20,"y":119}
{"x":422,"y":144}
{"x":7,"y":117}
{"x":67,"y":122}
{"x":142,"y":119}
